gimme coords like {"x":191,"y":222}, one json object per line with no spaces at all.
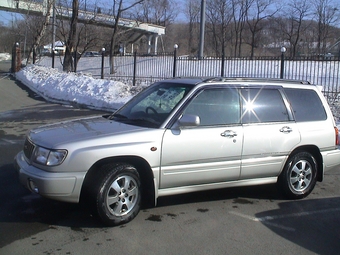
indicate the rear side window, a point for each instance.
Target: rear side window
{"x":263,"y":105}
{"x":306,"y":105}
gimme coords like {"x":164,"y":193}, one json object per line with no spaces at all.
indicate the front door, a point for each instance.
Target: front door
{"x":210,"y":152}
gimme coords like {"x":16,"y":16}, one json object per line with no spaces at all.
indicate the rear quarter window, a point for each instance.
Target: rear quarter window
{"x":306,"y":105}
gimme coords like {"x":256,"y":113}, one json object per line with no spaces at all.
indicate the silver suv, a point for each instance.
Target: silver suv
{"x":185,"y":135}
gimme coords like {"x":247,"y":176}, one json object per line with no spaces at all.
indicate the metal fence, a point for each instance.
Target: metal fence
{"x":146,"y":69}
{"x":141,"y":68}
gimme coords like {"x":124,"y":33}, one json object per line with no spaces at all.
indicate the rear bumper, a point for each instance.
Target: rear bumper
{"x":331,"y":159}
{"x":58,"y":186}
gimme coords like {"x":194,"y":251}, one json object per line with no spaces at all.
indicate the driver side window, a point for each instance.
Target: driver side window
{"x":216,"y":106}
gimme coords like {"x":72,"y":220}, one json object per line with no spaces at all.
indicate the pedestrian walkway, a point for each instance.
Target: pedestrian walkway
{"x":11,"y":90}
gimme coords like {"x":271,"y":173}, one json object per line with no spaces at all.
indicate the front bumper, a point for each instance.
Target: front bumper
{"x":58,"y":186}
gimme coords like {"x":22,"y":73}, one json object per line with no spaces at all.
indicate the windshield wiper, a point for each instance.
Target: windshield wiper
{"x":146,"y":120}
{"x":117,"y":115}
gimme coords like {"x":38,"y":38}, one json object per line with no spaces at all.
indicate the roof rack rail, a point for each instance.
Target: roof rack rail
{"x":226,"y":79}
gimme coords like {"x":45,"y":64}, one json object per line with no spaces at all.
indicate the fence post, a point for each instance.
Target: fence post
{"x":283,"y":50}
{"x":16,"y":58}
{"x":222,"y":65}
{"x":102,"y":69}
{"x":134,"y":68}
{"x":175,"y":59}
{"x":53,"y":54}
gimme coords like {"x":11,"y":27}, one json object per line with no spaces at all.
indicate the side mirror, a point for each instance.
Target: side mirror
{"x":187,"y":120}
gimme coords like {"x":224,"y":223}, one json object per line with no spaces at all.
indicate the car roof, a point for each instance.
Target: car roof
{"x":236,"y":80}
{"x":255,"y":80}
{"x":185,"y":80}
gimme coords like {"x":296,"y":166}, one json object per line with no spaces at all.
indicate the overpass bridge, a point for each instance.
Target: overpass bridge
{"x":135,"y":29}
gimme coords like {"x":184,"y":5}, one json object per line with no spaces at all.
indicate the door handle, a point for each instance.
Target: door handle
{"x":229,"y":134}
{"x":286,"y":130}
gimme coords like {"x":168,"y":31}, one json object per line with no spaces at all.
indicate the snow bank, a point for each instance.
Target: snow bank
{"x":5,"y":56}
{"x":75,"y":88}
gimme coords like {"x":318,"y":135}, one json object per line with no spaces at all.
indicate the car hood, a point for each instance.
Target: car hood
{"x":52,"y":135}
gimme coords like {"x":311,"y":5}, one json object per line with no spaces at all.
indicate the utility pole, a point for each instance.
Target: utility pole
{"x":202,"y":27}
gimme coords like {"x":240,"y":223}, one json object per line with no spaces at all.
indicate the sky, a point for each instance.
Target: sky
{"x":6,"y":18}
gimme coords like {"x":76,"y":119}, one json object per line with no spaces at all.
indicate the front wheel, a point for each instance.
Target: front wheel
{"x":117,"y":194}
{"x":298,"y":178}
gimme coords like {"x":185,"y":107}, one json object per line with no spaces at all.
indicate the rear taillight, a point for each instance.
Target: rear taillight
{"x":336,"y":135}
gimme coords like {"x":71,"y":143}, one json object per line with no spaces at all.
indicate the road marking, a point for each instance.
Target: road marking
{"x":266,"y":219}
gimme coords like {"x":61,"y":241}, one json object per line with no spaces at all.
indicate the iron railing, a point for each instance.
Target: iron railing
{"x":321,"y":71}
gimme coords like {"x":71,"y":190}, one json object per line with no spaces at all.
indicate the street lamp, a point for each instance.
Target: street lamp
{"x":283,"y":51}
{"x":175,"y":59}
{"x":102,"y":70}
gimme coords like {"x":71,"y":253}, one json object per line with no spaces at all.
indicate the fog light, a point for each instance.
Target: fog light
{"x":33,"y":186}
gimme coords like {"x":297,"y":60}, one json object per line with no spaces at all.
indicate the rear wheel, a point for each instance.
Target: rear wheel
{"x":117,"y":194}
{"x":298,"y":178}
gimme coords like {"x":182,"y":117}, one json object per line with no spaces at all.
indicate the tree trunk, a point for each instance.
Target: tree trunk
{"x":68,"y":60}
{"x":113,"y":37}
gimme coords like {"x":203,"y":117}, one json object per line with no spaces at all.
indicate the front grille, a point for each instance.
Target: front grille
{"x":28,"y":148}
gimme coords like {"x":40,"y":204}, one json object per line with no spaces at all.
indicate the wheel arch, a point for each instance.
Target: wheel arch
{"x":315,"y":152}
{"x":141,"y":165}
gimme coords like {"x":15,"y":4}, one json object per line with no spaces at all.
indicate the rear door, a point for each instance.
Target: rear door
{"x":210,"y":152}
{"x":270,"y":133}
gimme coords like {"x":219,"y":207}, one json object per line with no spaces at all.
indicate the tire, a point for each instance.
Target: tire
{"x":299,"y":176}
{"x":117,"y":194}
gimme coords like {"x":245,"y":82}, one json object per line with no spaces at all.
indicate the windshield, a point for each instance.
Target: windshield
{"x":151,"y":107}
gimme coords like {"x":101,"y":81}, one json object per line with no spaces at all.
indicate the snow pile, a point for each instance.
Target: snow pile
{"x":5,"y":56}
{"x":76,"y":88}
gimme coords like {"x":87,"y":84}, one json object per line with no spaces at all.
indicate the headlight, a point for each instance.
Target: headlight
{"x":48,"y":157}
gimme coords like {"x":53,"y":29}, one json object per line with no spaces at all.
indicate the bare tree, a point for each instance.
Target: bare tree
{"x":118,"y":10}
{"x":7,"y":38}
{"x":220,"y":16}
{"x":293,"y":23}
{"x":255,"y":20}
{"x":36,"y":25}
{"x":193,"y":14}
{"x":41,"y":30}
{"x":88,"y":34}
{"x":240,"y":10}
{"x":327,"y":14}
{"x":158,"y":12}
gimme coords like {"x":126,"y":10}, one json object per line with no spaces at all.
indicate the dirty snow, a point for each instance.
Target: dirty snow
{"x":75,"y":88}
